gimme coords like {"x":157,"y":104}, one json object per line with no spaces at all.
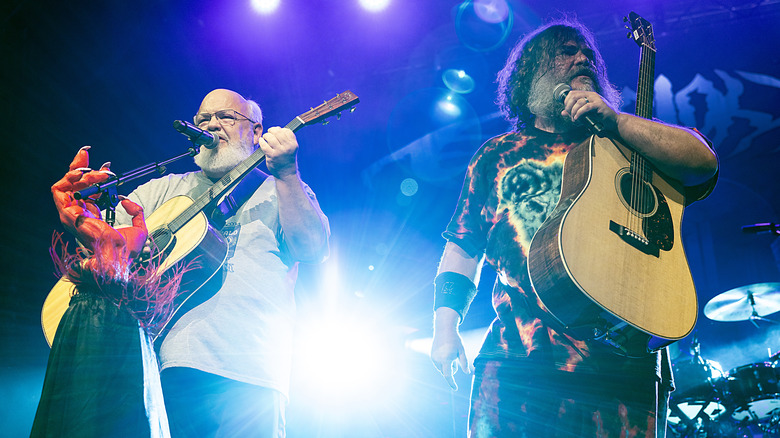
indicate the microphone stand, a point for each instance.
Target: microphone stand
{"x":107,"y":190}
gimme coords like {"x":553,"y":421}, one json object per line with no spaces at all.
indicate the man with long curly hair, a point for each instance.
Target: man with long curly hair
{"x":532,"y":379}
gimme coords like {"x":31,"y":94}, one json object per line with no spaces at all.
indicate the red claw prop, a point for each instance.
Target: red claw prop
{"x":82,"y":217}
{"x":107,"y":260}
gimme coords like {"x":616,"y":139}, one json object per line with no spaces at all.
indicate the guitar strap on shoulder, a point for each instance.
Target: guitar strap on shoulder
{"x":236,"y":198}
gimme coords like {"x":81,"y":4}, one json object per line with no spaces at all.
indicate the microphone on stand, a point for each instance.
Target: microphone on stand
{"x":560,"y":92}
{"x":766,"y":227}
{"x":196,"y":135}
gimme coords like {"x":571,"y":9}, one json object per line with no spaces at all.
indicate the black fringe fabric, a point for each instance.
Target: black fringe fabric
{"x":102,"y":378}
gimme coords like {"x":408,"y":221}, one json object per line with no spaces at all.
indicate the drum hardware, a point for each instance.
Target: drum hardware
{"x":754,"y":392}
{"x":696,"y":405}
{"x":708,"y":403}
{"x":747,"y":303}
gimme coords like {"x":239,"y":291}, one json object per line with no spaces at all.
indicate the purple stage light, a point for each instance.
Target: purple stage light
{"x":374,"y":5}
{"x":265,"y":6}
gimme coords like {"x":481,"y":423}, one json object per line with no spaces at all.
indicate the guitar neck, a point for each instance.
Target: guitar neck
{"x":644,"y":105}
{"x":226,"y":183}
{"x":345,"y":100}
{"x":646,"y":83}
{"x":642,"y":32}
{"x":217,"y":190}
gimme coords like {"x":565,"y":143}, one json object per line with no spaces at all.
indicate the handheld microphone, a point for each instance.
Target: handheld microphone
{"x":560,"y":92}
{"x":196,"y":135}
{"x":766,"y":227}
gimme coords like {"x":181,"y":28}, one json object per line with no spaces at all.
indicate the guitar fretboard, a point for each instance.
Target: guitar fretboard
{"x":644,"y":109}
{"x":646,"y":82}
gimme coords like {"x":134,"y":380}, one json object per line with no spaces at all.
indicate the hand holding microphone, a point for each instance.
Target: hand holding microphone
{"x":560,"y":92}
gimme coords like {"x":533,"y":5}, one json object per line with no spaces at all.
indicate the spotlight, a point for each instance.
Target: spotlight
{"x":342,"y":358}
{"x":265,"y":6}
{"x":374,"y":5}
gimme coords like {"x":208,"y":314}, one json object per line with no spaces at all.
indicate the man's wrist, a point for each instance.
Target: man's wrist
{"x":455,"y":291}
{"x":446,"y":317}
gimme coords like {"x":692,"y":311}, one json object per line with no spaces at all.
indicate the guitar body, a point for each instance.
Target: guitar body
{"x":196,"y":240}
{"x":54,"y":307}
{"x":607,"y":269}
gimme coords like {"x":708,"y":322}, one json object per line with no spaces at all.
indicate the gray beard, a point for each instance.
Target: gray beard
{"x":219,"y":161}
{"x":543,"y":104}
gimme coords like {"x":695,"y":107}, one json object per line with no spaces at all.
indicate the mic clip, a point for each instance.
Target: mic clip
{"x":108,"y":197}
{"x":766,"y":227}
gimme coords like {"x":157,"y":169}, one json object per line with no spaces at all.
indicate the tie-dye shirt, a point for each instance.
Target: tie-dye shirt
{"x":512,"y":184}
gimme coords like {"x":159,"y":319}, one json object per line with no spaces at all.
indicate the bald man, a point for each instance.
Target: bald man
{"x":226,"y":363}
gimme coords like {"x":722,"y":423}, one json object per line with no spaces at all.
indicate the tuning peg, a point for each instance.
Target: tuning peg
{"x":338,"y":116}
{"x":352,"y":110}
{"x":325,"y":122}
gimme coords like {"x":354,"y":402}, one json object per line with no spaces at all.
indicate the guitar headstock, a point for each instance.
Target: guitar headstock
{"x":641,"y":30}
{"x":342,"y":101}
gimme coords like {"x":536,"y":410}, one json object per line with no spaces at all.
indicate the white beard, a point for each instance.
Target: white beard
{"x":219,"y":161}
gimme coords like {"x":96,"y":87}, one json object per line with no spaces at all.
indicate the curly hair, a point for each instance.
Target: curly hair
{"x":536,"y":51}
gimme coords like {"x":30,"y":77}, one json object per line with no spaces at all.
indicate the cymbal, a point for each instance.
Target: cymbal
{"x":744,"y":303}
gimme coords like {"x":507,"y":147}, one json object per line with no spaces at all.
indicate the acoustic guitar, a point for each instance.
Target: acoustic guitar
{"x":180,"y":232}
{"x":608,"y":264}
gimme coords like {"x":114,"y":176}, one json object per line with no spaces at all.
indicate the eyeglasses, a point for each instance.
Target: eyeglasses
{"x":571,"y":50}
{"x":227,"y":117}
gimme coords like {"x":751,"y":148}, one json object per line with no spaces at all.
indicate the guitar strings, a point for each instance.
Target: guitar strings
{"x":640,"y":171}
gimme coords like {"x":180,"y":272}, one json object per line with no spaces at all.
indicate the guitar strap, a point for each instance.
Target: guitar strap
{"x":237,"y":197}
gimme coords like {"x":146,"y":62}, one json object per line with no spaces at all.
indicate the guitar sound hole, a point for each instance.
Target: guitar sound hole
{"x":640,"y":198}
{"x":163,"y":242}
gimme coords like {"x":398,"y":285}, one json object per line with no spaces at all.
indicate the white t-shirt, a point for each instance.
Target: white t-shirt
{"x":245,"y":331}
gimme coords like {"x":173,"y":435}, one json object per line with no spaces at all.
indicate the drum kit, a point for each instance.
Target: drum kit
{"x":743,"y":402}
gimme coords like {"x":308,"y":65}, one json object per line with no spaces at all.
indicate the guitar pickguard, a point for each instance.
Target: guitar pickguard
{"x":653,"y":230}
{"x":659,"y":228}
